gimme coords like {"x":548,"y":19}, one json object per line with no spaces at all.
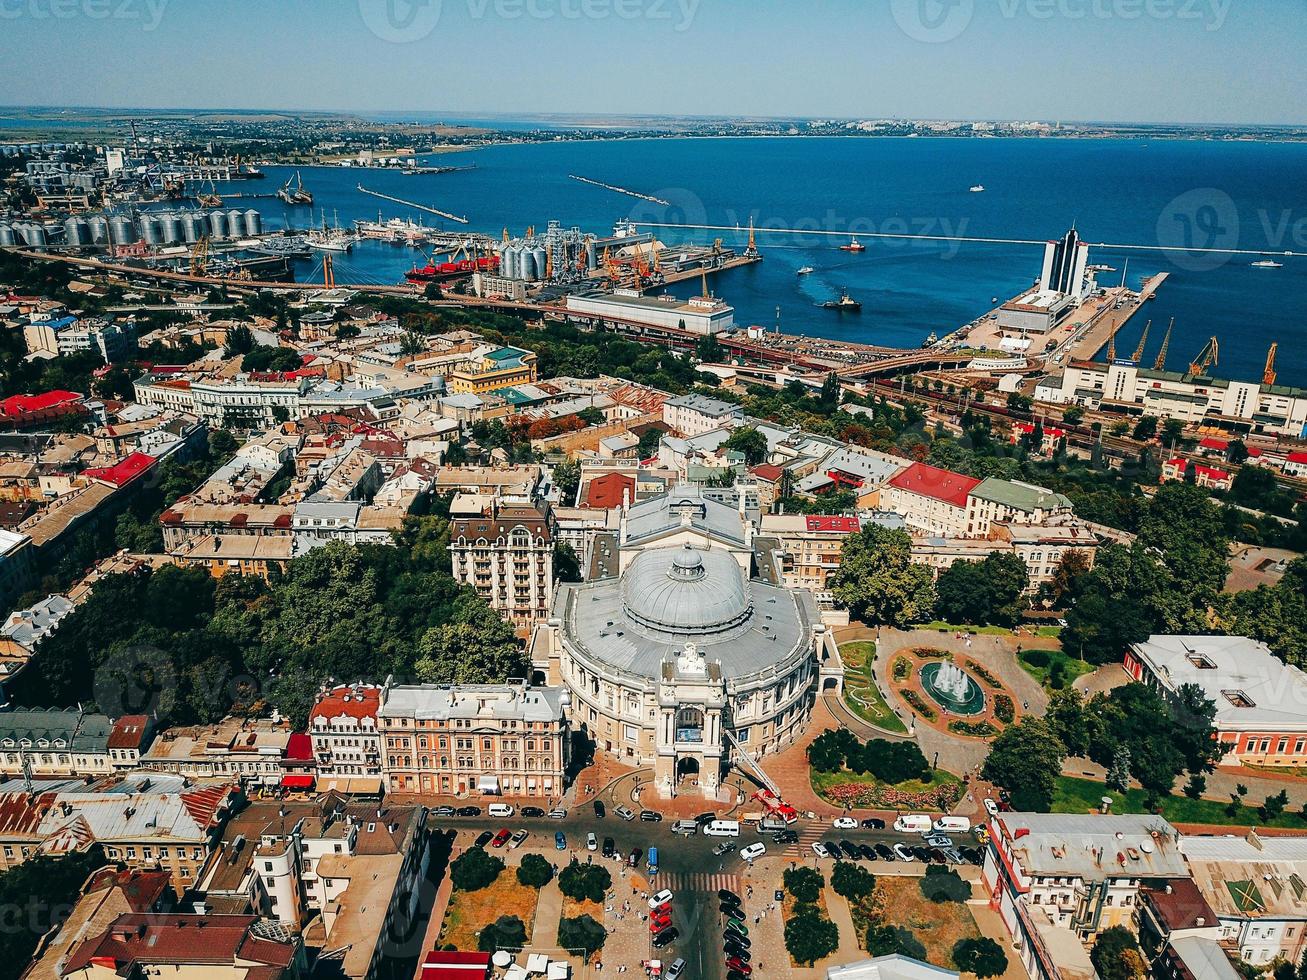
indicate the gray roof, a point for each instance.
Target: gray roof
{"x":1088,"y":846}
{"x":704,"y":405}
{"x":652,"y":518}
{"x":891,"y":967}
{"x":1204,"y":958}
{"x":486,"y":701}
{"x":1019,"y":496}
{"x":623,"y":623}
{"x":56,"y":728}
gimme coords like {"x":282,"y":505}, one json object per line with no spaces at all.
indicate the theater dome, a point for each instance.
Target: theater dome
{"x":686,"y":591}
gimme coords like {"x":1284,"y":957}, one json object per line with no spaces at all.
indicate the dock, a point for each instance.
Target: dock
{"x":734,"y":262}
{"x":620,"y":190}
{"x":1087,"y":344}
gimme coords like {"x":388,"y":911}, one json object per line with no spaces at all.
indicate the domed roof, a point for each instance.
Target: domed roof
{"x":685,"y":590}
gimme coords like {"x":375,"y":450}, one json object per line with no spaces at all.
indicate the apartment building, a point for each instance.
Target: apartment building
{"x":810,"y":546}
{"x":507,"y":555}
{"x":994,"y":501}
{"x":344,"y":732}
{"x":694,"y":414}
{"x":930,"y":500}
{"x":494,"y":739}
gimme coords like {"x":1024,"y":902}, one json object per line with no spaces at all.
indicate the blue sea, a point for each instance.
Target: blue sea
{"x":1224,"y":196}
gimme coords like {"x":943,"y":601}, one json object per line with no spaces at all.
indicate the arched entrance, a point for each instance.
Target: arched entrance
{"x":687,"y":767}
{"x":689,"y":724}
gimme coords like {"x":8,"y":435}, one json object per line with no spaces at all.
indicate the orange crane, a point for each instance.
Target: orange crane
{"x":1160,"y":363}
{"x":1207,"y":357}
{"x":200,"y":257}
{"x":1143,"y":342}
{"x":1268,"y":372}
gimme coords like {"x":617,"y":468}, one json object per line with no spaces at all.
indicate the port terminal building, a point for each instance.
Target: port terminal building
{"x":702,"y":315}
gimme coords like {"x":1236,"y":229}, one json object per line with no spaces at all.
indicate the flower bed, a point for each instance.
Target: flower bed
{"x":901,"y":668}
{"x":980,"y":671}
{"x":880,"y":796}
{"x":972,"y":729}
{"x":1004,"y":710}
{"x":918,"y":703}
{"x":931,"y":653}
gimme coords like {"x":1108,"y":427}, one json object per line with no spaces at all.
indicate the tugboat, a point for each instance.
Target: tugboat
{"x":853,"y":246}
{"x":845,"y":304}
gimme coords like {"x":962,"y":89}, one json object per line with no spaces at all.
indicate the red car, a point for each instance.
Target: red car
{"x":664,"y":909}
{"x":739,"y":966}
{"x":658,"y":925}
{"x":501,"y":838}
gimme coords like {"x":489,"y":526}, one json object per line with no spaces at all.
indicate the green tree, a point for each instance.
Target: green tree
{"x":1073,"y":415}
{"x":261,"y":358}
{"x":475,"y":869}
{"x":477,"y":648}
{"x":534,"y":871}
{"x":988,"y":593}
{"x":240,"y":340}
{"x":1025,"y":760}
{"x":809,"y":935}
{"x":222,"y":444}
{"x":506,"y":932}
{"x":983,"y":957}
{"x":1115,"y":955}
{"x":852,"y":881}
{"x":942,"y":884}
{"x":885,"y":940}
{"x":805,"y":884}
{"x":567,"y":477}
{"x":585,"y":882}
{"x":749,"y":441}
{"x":581,"y":933}
{"x":39,"y":894}
{"x":878,"y":582}
{"x":567,"y":568}
{"x":1145,"y":429}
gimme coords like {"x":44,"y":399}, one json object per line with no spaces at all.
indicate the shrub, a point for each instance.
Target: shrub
{"x":983,"y":957}
{"x":885,"y":940}
{"x":1004,"y":710}
{"x":582,"y":933}
{"x":1036,"y":658}
{"x":944,"y":885}
{"x":506,"y":932}
{"x":584,"y":882}
{"x":809,"y":935}
{"x":973,"y":729}
{"x":534,"y":871}
{"x":474,"y":869}
{"x":852,"y":880}
{"x":901,"y":668}
{"x":805,"y":884}
{"x":918,"y":704}
{"x":980,"y":671}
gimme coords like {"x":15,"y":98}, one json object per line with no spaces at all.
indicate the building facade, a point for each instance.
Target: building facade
{"x":507,"y":555}
{"x":344,"y":732}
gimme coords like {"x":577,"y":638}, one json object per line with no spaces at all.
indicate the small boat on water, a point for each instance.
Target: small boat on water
{"x":845,"y":304}
{"x":977,"y":188}
{"x":853,"y":246}
{"x":931,"y":340}
{"x":1267,"y":264}
{"x":807,"y":270}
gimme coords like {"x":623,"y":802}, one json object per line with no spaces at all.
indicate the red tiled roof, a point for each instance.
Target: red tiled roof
{"x":299,"y":748}
{"x":362,"y":702}
{"x":297,"y":780}
{"x":821,"y":522}
{"x":123,"y":472}
{"x":1296,"y":458}
{"x":26,"y":404}
{"x":204,"y":803}
{"x":136,"y":938}
{"x":607,"y":490}
{"x":1211,"y":442}
{"x":1181,"y":464}
{"x":767,"y":471}
{"x":128,"y":731}
{"x":930,"y":481}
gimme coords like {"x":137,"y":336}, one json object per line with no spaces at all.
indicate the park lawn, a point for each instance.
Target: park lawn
{"x":1071,"y":669}
{"x":1074,"y":794}
{"x":470,"y":912}
{"x":861,"y":693}
{"x":1051,"y":631}
{"x":937,"y":925}
{"x":821,"y":781}
{"x":939,"y":626}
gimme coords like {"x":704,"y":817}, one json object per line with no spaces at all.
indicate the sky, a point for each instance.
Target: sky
{"x":1205,"y":61}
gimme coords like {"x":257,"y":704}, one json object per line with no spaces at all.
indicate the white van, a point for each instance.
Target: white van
{"x":952,"y":825}
{"x":500,"y":810}
{"x":913,"y":823}
{"x":723,"y":828}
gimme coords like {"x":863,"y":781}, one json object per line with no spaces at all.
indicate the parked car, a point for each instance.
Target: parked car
{"x":591,"y":842}
{"x":735,"y":941}
{"x":653,"y":816}
{"x":501,"y":838}
{"x":533,"y":811}
{"x":884,"y":852}
{"x":484,"y":838}
{"x":609,"y":849}
{"x":660,"y":898}
{"x":991,"y":807}
{"x":560,"y":841}
{"x":786,"y":837}
{"x":902,"y":853}
{"x":740,"y":966}
{"x":820,"y":849}
{"x":726,"y":895}
{"x":844,"y":823}
{"x":443,"y":811}
{"x":518,"y":839}
{"x":634,"y":858}
{"x":558,"y":813}
{"x":468,"y":811}
{"x":754,"y":851}
{"x":625,"y":812}
{"x":874,"y":823}
{"x":675,"y":970}
{"x":665,"y":938}
{"x":868,"y":852}
{"x":599,"y":809}
{"x":725,"y":847}
{"x":705,"y":818}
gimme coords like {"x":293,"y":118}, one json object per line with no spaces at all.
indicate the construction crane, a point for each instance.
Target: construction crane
{"x":505,"y":234}
{"x":1268,"y":372}
{"x":1160,"y":363}
{"x":1207,"y":357}
{"x":1111,"y":345}
{"x":1143,"y":342}
{"x":200,"y":257}
{"x":751,"y":251}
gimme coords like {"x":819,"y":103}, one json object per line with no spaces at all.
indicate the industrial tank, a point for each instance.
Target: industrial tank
{"x":195,"y":225}
{"x":508,"y":262}
{"x":253,"y":222}
{"x":236,"y":223}
{"x":7,"y":236}
{"x":171,"y":225}
{"x":99,"y":228}
{"x":77,"y":231}
{"x":541,"y":260}
{"x":122,"y":229}
{"x":526,"y":264}
{"x":150,"y":230}
{"x":218,"y":224}
{"x":36,"y":235}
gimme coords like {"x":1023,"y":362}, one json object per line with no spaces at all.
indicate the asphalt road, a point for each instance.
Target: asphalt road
{"x":687,"y":865}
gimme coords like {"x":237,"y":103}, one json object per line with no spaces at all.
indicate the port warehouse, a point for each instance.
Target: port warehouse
{"x":701,"y":315}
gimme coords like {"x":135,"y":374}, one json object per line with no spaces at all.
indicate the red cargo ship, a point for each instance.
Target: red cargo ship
{"x":452,"y":270}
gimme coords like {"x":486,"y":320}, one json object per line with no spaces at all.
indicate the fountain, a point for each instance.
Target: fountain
{"x":952,"y":688}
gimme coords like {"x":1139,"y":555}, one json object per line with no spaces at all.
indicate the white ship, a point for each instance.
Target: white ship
{"x":977,"y":188}
{"x":332,"y":239}
{"x":1268,"y":264}
{"x":398,"y":231}
{"x":806,"y":270}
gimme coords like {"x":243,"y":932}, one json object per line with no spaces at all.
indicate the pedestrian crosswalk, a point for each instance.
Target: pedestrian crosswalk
{"x":695,"y":881}
{"x":809,"y":834}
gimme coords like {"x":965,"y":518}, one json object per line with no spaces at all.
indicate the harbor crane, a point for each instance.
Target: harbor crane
{"x":1160,"y":363}
{"x":200,"y":257}
{"x":1268,"y":372}
{"x":1209,"y":356}
{"x":1143,"y":342}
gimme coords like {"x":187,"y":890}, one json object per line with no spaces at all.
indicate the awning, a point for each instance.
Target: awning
{"x":488,"y":784}
{"x":295,"y":780}
{"x":357,"y":786}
